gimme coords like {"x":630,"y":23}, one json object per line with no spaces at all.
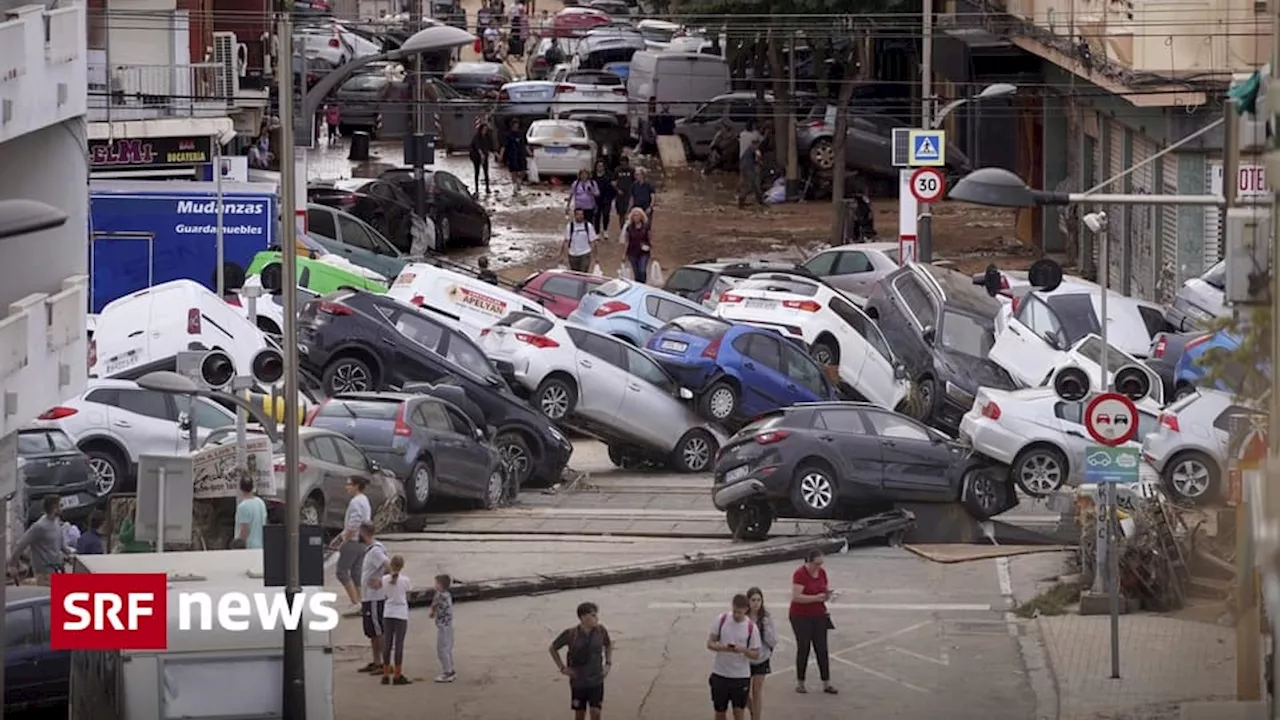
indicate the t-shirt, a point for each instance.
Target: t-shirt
{"x":252,"y":512}
{"x":746,"y":139}
{"x":443,"y":604}
{"x":45,"y":540}
{"x":358,"y":513}
{"x":397,"y":597}
{"x":91,"y":543}
{"x":742,"y":633}
{"x":586,"y":654}
{"x":373,"y":566}
{"x":623,"y":179}
{"x":580,"y":235}
{"x":812,"y":586}
{"x":642,"y":195}
{"x":584,"y":194}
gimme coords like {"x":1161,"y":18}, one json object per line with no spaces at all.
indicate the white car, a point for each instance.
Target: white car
{"x":1191,"y":444}
{"x":605,"y":387}
{"x":594,"y":94}
{"x":333,"y":43}
{"x":145,"y":331}
{"x":1200,"y":301}
{"x":830,"y":323}
{"x":270,"y":306}
{"x":1040,"y":436}
{"x":658,"y":34}
{"x":115,"y":421}
{"x":1074,"y":309}
{"x":464,"y":302}
{"x":560,"y":148}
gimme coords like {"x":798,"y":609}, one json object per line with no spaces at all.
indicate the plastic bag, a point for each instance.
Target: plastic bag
{"x":597,"y":270}
{"x":655,"y":273}
{"x":624,"y":271}
{"x":777,"y":193}
{"x":533,"y":171}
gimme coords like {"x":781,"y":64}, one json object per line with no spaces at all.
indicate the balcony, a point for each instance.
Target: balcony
{"x":42,"y":68}
{"x":43,"y":352}
{"x":151,"y":92}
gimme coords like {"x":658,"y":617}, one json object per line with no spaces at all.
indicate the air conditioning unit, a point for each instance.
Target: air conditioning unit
{"x":227,"y":81}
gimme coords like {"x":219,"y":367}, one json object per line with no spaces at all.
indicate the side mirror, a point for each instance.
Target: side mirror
{"x":899,"y":372}
{"x":493,"y":380}
{"x":928,"y":334}
{"x":1053,"y":341}
{"x":685,"y":393}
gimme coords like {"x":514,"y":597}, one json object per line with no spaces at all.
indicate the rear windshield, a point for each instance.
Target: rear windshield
{"x":703,"y":327}
{"x":687,"y":279}
{"x":364,"y":409}
{"x":793,"y":287}
{"x":1217,"y":276}
{"x":526,"y":322}
{"x":613,"y":288}
{"x":475,"y":68}
{"x":558,"y":131}
{"x":595,"y":78}
{"x":36,"y":442}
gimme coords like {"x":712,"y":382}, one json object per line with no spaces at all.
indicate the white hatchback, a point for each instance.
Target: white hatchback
{"x":560,"y":148}
{"x":464,"y":302}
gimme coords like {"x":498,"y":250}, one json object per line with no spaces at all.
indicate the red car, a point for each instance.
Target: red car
{"x":576,"y":21}
{"x":559,"y":291}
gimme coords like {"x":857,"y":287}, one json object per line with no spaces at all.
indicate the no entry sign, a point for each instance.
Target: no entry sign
{"x":928,"y":184}
{"x":1111,"y":419}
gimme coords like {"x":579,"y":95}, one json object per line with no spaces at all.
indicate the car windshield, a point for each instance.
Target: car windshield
{"x":1217,"y":276}
{"x":363,"y":409}
{"x":613,"y":288}
{"x":365,"y":82}
{"x":558,"y":131}
{"x":475,"y":68}
{"x":966,"y":334}
{"x":657,"y":34}
{"x":37,"y":442}
{"x":780,"y":285}
{"x":529,"y":323}
{"x":1075,"y":313}
{"x":702,"y":327}
{"x":1091,"y":350}
{"x":687,"y":279}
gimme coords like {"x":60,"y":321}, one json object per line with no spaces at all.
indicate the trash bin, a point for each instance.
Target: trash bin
{"x":359,"y":147}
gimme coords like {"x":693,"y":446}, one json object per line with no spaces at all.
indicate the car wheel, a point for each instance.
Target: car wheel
{"x":1040,"y":470}
{"x":926,"y":392}
{"x":486,"y":233}
{"x":444,"y":234}
{"x":750,"y":521}
{"x":824,"y":352}
{"x":695,"y":452}
{"x":984,"y":493}
{"x":688,"y":149}
{"x":107,"y":469}
{"x":311,"y":512}
{"x":1192,"y":476}
{"x":515,"y":454}
{"x":556,"y":398}
{"x":813,"y":491}
{"x":720,"y":402}
{"x":347,"y":374}
{"x":620,"y":457}
{"x":822,"y":154}
{"x":1183,"y":390}
{"x":418,"y":486}
{"x":493,"y":489}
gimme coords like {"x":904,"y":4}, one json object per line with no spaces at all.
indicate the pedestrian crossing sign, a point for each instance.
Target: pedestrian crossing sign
{"x":928,"y":148}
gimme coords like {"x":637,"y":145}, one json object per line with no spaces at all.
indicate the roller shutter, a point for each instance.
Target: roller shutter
{"x":1142,"y":243}
{"x":1167,"y":267}
{"x":1116,"y":226}
{"x":1212,"y":217}
{"x":1099,"y":173}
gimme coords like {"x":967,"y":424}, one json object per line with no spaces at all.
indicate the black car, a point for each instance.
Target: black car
{"x":51,"y":464}
{"x":841,"y":460}
{"x":458,"y":216}
{"x":942,"y":327}
{"x":380,"y":203}
{"x":36,"y":677}
{"x":699,"y":280}
{"x":478,"y":78}
{"x":355,"y":341}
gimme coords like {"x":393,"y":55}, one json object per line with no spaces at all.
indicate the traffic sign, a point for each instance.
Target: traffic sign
{"x":928,"y":184}
{"x":928,"y":148}
{"x":1104,"y":464}
{"x":906,"y":249}
{"x":1111,"y":419}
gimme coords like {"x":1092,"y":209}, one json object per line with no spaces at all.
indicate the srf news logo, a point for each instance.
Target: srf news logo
{"x":131,"y":611}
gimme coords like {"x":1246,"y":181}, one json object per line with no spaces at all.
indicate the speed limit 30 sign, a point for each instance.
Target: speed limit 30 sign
{"x":928,"y":184}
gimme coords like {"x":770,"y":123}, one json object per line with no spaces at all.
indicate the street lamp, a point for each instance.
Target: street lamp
{"x":21,"y":217}
{"x":172,"y":383}
{"x":997,"y":187}
{"x":994,"y":90}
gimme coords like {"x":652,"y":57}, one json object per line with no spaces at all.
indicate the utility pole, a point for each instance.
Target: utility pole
{"x":1273,"y":426}
{"x":295,"y":690}
{"x":793,"y":155}
{"x":419,"y":122}
{"x":924,"y":227}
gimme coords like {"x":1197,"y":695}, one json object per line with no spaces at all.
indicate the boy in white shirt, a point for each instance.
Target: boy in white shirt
{"x":736,"y":642}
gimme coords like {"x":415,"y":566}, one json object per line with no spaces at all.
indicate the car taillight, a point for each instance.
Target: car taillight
{"x":1162,"y":345}
{"x":93,"y":353}
{"x":538,"y":341}
{"x":335,"y":42}
{"x":991,"y":410}
{"x":540,"y":62}
{"x":57,"y":413}
{"x":233,"y":301}
{"x":805,"y":305}
{"x":620,"y":91}
{"x":813,"y":124}
{"x":193,"y":321}
{"x":611,"y":307}
{"x":580,"y":146}
{"x":450,"y":78}
{"x":280,"y":467}
{"x":1014,"y":303}
{"x":1004,"y":282}
{"x":402,"y":427}
{"x":730,"y":298}
{"x":565,"y":88}
{"x":1198,"y":341}
{"x":771,"y":437}
{"x":712,"y":350}
{"x":333,"y":308}
{"x":504,"y":96}
{"x":1170,"y":421}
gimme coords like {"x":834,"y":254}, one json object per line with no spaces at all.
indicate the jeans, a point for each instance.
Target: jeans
{"x":394,"y":631}
{"x":602,"y":216}
{"x":749,"y":185}
{"x":639,"y":266}
{"x":480,"y":164}
{"x":444,"y":648}
{"x":811,"y":632}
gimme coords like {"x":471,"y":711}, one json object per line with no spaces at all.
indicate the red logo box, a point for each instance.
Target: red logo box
{"x":109,"y":611}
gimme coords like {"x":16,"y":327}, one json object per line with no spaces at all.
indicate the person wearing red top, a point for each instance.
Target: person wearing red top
{"x":810,"y":621}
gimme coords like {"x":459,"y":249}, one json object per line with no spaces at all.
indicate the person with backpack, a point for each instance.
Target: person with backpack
{"x":583,"y":195}
{"x":586,"y":662}
{"x":735,"y":640}
{"x":760,"y":669}
{"x":579,"y":247}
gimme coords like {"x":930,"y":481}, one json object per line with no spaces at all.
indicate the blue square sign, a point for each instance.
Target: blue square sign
{"x":927,"y":148}
{"x":1104,"y":464}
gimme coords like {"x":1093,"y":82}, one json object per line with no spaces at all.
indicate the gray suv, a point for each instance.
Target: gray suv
{"x":735,"y":109}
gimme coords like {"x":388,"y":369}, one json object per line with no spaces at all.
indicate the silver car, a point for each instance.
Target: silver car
{"x":854,"y":268}
{"x":1190,"y":446}
{"x":1200,"y":301}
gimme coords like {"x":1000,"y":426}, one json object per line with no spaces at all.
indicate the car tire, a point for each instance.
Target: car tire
{"x":813,"y":491}
{"x":1039,"y":470}
{"x":720,"y":402}
{"x":312,"y":512}
{"x":695,"y":453}
{"x":984,"y":493}
{"x":347,"y":374}
{"x":620,"y":457}
{"x":493,"y":489}
{"x":1182,"y":391}
{"x":108,"y":466}
{"x":486,"y":234}
{"x":417,"y":487}
{"x":822,"y":154}
{"x":750,"y":521}
{"x":444,"y":234}
{"x":926,"y":398}
{"x":825,"y":352}
{"x":1192,"y":477}
{"x":515,"y":453}
{"x":556,"y":398}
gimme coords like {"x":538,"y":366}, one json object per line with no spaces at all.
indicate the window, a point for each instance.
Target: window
{"x":1091,"y":350}
{"x":666,"y":310}
{"x":564,"y":287}
{"x":802,"y":369}
{"x":1227,"y":421}
{"x":320,"y":222}
{"x":1072,"y":412}
{"x":104,"y":396}
{"x":432,"y":415}
{"x":420,"y":330}
{"x":711,"y":112}
{"x":917,"y":301}
{"x":765,"y":350}
{"x":1217,"y":276}
{"x":822,"y":264}
{"x":741,"y":112}
{"x":147,"y":403}
{"x":843,"y":421}
{"x":1075,"y":315}
{"x":323,"y":449}
{"x":20,"y":628}
{"x":38,"y":442}
{"x":466,"y":356}
{"x":364,"y":410}
{"x":353,"y":234}
{"x":535,"y":324}
{"x":1153,"y":319}
{"x":897,"y":427}
{"x":604,"y":348}
{"x":460,"y":424}
{"x":368,"y":82}
{"x":1042,"y":321}
{"x":687,"y":279}
{"x":450,"y":183}
{"x":210,"y":416}
{"x":647,"y":370}
{"x":352,"y":457}
{"x":861,"y":325}
{"x":850,"y":263}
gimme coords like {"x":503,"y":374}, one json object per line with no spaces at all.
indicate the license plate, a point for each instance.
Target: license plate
{"x":556,"y":151}
{"x":593,"y":93}
{"x":674,"y":345}
{"x":760,"y":304}
{"x":69,"y":501}
{"x":116,"y":364}
{"x":737,"y":473}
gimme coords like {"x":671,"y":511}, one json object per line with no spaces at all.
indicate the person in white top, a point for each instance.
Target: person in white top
{"x":373,"y":595}
{"x":347,"y":542}
{"x":395,"y":618}
{"x":736,"y":642}
{"x":579,"y":246}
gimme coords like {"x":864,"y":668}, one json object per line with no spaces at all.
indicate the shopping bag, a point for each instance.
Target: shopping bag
{"x":655,"y":273}
{"x":533,"y":172}
{"x":624,"y":271}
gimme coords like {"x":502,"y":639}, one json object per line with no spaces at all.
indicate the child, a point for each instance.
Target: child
{"x":442,"y":611}
{"x":396,"y":621}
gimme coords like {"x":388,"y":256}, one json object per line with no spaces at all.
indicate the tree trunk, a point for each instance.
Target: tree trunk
{"x":838,"y":168}
{"x":782,"y":139}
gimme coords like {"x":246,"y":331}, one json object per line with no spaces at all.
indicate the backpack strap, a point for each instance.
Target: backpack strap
{"x":720,"y":630}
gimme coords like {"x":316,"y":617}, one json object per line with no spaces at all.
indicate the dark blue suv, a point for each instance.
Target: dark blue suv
{"x":738,"y":371}
{"x":36,"y":677}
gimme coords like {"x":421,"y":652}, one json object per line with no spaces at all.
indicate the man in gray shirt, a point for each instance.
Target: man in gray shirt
{"x":347,"y":542}
{"x":44,"y":539}
{"x":749,"y":173}
{"x":373,"y":596}
{"x":736,"y":642}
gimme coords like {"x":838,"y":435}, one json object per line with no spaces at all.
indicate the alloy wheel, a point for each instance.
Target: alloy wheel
{"x":421,"y":486}
{"x":822,"y":355}
{"x":349,"y":377}
{"x":515,"y":458}
{"x":983,"y":492}
{"x":1191,"y":479}
{"x":823,"y":154}
{"x":554,"y":401}
{"x":104,"y":474}
{"x":721,"y":403}
{"x":493,"y":492}
{"x":1040,"y":473}
{"x":816,"y":491}
{"x":696,"y":453}
{"x":309,"y":515}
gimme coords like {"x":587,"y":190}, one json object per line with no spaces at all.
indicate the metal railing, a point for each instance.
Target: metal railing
{"x":161,"y":90}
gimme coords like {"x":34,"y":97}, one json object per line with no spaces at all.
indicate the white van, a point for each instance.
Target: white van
{"x":203,"y":673}
{"x":464,"y":302}
{"x":681,"y":80}
{"x":145,"y":331}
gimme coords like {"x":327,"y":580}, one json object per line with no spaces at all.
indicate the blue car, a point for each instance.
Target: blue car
{"x":738,"y":371}
{"x":1192,"y":372}
{"x":631,"y":311}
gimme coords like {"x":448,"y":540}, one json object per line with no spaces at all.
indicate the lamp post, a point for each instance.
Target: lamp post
{"x":997,"y":187}
{"x":172,"y":383}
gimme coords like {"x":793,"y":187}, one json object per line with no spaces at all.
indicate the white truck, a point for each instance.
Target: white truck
{"x":203,"y":673}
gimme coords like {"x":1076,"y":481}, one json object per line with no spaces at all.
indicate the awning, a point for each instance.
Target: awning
{"x":222,"y":127}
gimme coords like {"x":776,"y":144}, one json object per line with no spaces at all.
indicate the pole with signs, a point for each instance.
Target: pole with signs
{"x":218,"y":241}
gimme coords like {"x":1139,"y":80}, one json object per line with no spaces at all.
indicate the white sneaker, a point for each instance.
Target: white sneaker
{"x":353,"y":610}
{"x":446,"y":678}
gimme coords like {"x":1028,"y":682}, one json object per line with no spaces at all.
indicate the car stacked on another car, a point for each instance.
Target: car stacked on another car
{"x":706,"y":280}
{"x":631,"y":311}
{"x":559,"y":291}
{"x":1191,"y":444}
{"x":51,"y":464}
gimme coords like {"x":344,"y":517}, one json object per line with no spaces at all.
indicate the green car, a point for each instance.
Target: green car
{"x":314,"y":275}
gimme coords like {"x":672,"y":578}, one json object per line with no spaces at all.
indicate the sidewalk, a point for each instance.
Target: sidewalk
{"x":1163,"y":662}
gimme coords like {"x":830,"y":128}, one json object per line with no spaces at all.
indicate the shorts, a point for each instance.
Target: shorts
{"x":371,"y":612}
{"x":761,"y":668}
{"x":349,"y":556}
{"x":582,"y":698}
{"x":729,"y":691}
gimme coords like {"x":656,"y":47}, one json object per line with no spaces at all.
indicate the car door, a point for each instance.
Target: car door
{"x":441,"y":442}
{"x":877,"y":380}
{"x":844,"y":431}
{"x":210,"y":416}
{"x":764,"y":377}
{"x":356,"y":464}
{"x":659,"y":418}
{"x":703,"y":125}
{"x":332,"y":477}
{"x":148,"y":422}
{"x":916,"y":460}
{"x":1069,"y":417}
{"x":24,"y":671}
{"x":322,"y":222}
{"x":805,"y":382}
{"x":1026,"y":345}
{"x":463,"y":215}
{"x":854,"y":272}
{"x":472,"y":456}
{"x":412,"y":340}
{"x":602,"y":373}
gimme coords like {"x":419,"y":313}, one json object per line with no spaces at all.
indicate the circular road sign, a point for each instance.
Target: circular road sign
{"x":928,"y":184}
{"x":1111,"y":419}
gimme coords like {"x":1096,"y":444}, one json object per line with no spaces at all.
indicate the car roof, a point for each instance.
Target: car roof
{"x":389,"y":396}
{"x":24,"y":594}
{"x":98,"y":383}
{"x":875,"y":246}
{"x":958,"y":290}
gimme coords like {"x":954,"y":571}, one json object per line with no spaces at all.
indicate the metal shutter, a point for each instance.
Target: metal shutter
{"x":1169,"y":278}
{"x":1142,"y":244}
{"x":1116,"y":227}
{"x":1099,"y":173}
{"x":1213,"y":180}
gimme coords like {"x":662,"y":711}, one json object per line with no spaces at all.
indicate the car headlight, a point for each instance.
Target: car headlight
{"x":959,"y":395}
{"x":559,"y":436}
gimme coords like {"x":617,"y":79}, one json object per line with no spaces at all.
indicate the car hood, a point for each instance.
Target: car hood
{"x":971,"y":372}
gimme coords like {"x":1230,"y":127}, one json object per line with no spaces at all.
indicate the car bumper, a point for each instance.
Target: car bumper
{"x":990,"y":438}
{"x":567,"y":164}
{"x":524,"y":111}
{"x":1155,"y":454}
{"x":737,"y":493}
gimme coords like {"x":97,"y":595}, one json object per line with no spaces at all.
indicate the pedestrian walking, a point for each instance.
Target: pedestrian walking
{"x":760,"y":669}
{"x":735,"y":640}
{"x":624,"y":176}
{"x":642,"y":193}
{"x":583,"y":195}
{"x":749,"y":175}
{"x":481,"y":148}
{"x":515,"y":155}
{"x":810,"y":621}
{"x":348,"y":544}
{"x":485,"y":274}
{"x":251,"y":515}
{"x":603,"y":178}
{"x":333,"y":118}
{"x":373,"y":597}
{"x":638,"y":235}
{"x":92,"y":542}
{"x":396,"y":619}
{"x":579,"y":247}
{"x":45,"y":541}
{"x":587,"y":661}
{"x":442,"y":611}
